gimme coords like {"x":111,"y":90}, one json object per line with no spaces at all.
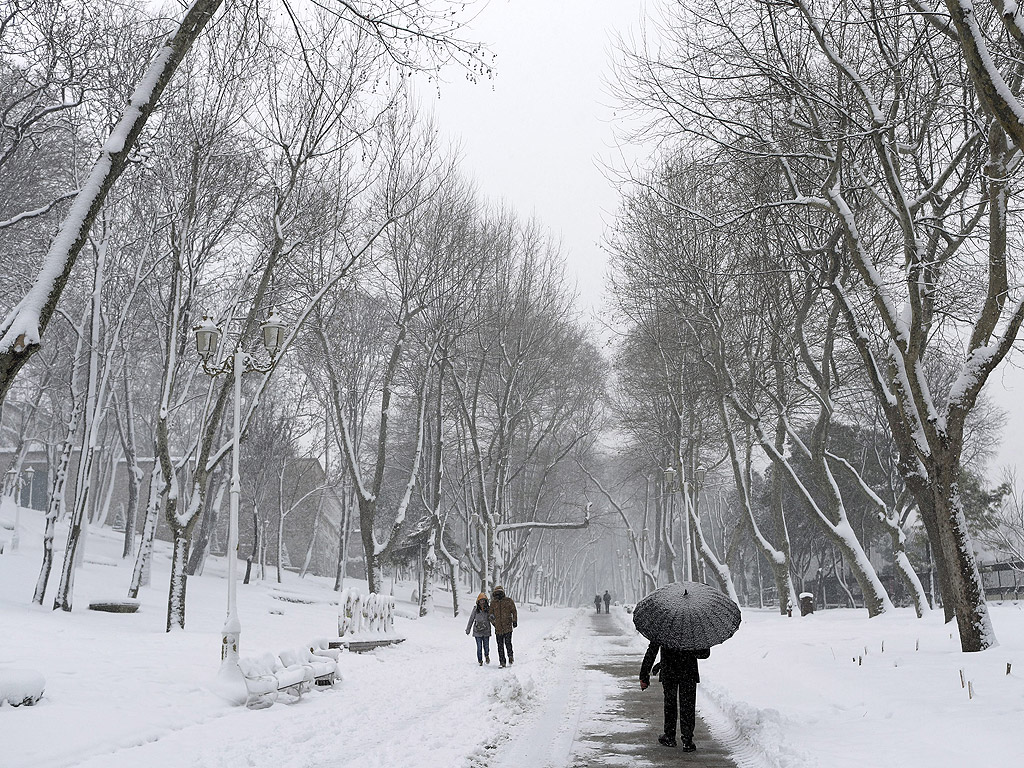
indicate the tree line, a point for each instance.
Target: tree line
{"x":814,"y":272}
{"x":276,"y":160}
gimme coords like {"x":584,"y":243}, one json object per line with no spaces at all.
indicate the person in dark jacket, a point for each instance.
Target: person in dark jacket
{"x":679,"y":677}
{"x":597,"y":602}
{"x":607,"y":600}
{"x":480,"y":624}
{"x":505,"y":619}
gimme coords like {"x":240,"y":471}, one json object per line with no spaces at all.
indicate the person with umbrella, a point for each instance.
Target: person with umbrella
{"x":682,"y":621}
{"x":679,"y":677}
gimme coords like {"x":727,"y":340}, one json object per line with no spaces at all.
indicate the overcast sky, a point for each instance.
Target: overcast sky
{"x":536,"y":136}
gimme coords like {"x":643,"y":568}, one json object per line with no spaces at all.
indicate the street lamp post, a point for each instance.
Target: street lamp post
{"x":239,"y":362}
{"x":30,"y":474}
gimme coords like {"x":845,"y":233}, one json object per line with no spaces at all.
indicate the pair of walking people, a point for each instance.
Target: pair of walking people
{"x":499,"y":611}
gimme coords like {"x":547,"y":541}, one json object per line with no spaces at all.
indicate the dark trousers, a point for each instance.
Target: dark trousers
{"x":504,"y":641}
{"x":685,"y":693}
{"x":483,"y":647}
{"x":606,"y":607}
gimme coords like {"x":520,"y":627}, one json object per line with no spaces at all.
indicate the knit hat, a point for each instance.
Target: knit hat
{"x":481,"y":596}
{"x":498,"y":589}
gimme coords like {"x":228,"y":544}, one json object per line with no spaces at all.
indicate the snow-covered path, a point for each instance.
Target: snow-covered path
{"x":423,"y":703}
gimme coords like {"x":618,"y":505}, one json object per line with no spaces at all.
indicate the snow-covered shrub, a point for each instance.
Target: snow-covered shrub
{"x":21,"y":686}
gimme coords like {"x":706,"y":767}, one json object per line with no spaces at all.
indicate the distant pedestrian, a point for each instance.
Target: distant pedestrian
{"x":607,"y":600}
{"x":480,"y":625}
{"x":597,"y":602}
{"x":679,"y":677}
{"x":505,"y":619}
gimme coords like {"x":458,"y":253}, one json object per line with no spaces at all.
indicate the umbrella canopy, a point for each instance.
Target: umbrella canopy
{"x":687,"y":615}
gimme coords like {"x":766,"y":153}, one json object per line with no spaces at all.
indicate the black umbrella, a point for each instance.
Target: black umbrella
{"x":687,"y":615}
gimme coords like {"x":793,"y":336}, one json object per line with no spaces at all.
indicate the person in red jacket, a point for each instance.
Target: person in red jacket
{"x":679,"y":677}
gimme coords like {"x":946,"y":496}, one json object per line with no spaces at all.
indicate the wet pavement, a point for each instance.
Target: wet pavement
{"x":624,"y":730}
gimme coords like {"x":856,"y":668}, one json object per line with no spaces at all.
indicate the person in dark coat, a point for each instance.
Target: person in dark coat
{"x":505,"y":619}
{"x":597,"y":602}
{"x":679,"y":677}
{"x":607,"y":601}
{"x":480,"y":624}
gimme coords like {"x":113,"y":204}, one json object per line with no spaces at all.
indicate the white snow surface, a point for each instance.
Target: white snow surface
{"x":817,"y":691}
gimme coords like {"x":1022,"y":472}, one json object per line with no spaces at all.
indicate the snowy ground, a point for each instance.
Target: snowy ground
{"x":793,"y":693}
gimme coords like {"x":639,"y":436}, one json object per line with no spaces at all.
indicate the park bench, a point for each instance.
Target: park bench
{"x":361,"y":646}
{"x":323,"y":668}
{"x":266,"y":677}
{"x":293,"y":673}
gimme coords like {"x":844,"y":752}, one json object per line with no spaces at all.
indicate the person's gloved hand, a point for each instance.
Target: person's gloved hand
{"x":467,"y":631}
{"x":644,"y":685}
{"x":515,"y":624}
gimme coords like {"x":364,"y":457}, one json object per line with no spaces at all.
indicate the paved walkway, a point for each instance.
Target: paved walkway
{"x":625,"y":730}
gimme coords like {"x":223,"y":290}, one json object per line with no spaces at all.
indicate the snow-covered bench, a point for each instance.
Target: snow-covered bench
{"x":323,"y":668}
{"x":292,"y":672}
{"x":266,"y":677}
{"x":322,"y":647}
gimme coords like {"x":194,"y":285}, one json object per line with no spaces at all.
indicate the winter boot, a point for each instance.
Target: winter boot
{"x":487,"y":659}
{"x":666,"y":741}
{"x":480,"y":663}
{"x":688,"y":746}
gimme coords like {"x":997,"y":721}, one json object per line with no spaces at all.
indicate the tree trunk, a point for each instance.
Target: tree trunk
{"x":126,"y":432}
{"x":429,"y":570}
{"x":317,"y":516}
{"x":374,"y":575}
{"x":178,"y":582}
{"x":344,"y":531}
{"x":55,"y":505}
{"x":966,"y":592}
{"x":924,"y":495}
{"x":721,"y":570}
{"x":200,"y":549}
{"x":255,"y":551}
{"x":140,"y":574}
{"x":66,"y":588}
